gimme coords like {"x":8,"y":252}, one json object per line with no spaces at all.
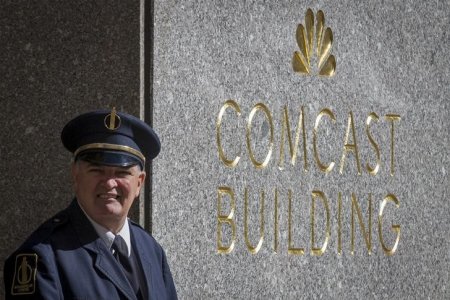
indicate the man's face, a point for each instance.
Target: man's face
{"x":106,"y":193}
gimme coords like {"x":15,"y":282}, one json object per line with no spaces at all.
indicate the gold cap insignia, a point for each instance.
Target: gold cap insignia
{"x":24,"y":281}
{"x":112,"y":121}
{"x":301,"y":62}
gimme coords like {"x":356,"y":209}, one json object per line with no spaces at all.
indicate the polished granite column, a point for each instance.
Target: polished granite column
{"x":57,"y":59}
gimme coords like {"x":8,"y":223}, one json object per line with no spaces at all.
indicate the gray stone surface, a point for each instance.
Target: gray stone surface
{"x":392,"y":58}
{"x":57,"y":59}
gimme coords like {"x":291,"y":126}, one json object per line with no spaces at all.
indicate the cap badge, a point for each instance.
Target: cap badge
{"x":112,"y":121}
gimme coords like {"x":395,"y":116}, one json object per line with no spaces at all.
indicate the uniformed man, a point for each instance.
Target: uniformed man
{"x":91,"y":250}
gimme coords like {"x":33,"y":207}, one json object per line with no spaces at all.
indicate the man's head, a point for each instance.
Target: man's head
{"x":106,"y":193}
{"x":109,"y":150}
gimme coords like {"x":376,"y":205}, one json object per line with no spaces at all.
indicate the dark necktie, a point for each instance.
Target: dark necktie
{"x":121,"y":254}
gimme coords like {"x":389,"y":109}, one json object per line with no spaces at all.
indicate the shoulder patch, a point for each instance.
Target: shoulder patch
{"x":24,"y":281}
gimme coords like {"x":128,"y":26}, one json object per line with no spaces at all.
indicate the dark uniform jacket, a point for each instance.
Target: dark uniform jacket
{"x":66,"y":259}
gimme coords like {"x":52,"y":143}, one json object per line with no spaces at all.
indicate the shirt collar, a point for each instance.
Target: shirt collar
{"x":108,"y":236}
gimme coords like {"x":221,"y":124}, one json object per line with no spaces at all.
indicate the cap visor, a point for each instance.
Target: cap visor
{"x":110,"y":158}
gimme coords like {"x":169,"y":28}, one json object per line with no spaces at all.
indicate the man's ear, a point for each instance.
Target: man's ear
{"x":141,"y":180}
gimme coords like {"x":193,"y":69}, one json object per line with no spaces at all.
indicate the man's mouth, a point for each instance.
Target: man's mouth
{"x":108,"y":196}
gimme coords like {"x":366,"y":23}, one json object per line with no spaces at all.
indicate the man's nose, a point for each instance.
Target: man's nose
{"x":110,"y":182}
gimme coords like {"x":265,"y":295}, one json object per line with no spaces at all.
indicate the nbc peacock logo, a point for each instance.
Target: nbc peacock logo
{"x":303,"y":61}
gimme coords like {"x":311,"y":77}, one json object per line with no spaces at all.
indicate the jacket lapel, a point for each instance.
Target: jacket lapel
{"x":142,"y":254}
{"x":105,"y":262}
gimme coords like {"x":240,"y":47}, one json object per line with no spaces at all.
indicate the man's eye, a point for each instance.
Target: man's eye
{"x":124,"y":173}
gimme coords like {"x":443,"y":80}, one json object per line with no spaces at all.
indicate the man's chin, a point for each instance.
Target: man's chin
{"x":111,"y":209}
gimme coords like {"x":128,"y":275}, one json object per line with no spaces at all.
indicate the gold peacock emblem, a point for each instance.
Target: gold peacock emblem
{"x":302,"y":60}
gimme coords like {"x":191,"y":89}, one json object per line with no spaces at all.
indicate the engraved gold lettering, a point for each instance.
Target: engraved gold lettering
{"x":228,"y":162}
{"x":329,"y":113}
{"x":293,"y":149}
{"x":392,"y":118}
{"x":373,"y":171}
{"x":320,"y":232}
{"x":350,"y":147}
{"x":395,"y":228}
{"x":368,"y":236}
{"x":257,"y":164}
{"x":225,"y":219}
{"x":291,"y":248}
{"x":250,"y":247}
{"x":315,"y":250}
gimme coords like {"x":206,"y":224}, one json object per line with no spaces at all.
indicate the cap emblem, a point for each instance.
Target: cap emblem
{"x":112,"y":121}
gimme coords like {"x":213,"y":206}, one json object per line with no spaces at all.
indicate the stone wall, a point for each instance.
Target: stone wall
{"x":391,"y":60}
